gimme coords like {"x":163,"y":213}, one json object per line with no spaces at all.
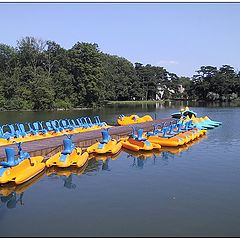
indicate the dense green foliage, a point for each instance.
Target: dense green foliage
{"x":41,"y":75}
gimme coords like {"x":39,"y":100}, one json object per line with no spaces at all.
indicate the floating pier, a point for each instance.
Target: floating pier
{"x":49,"y":146}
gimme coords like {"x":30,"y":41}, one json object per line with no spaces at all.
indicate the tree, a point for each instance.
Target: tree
{"x":85,"y":65}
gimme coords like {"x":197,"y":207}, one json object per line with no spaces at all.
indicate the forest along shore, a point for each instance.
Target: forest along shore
{"x":42,"y":75}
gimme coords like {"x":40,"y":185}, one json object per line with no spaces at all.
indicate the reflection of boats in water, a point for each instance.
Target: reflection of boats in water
{"x":140,"y":157}
{"x":65,"y":171}
{"x":97,"y":163}
{"x":11,"y":194}
{"x":66,"y":174}
{"x":104,"y":157}
{"x":143,"y":154}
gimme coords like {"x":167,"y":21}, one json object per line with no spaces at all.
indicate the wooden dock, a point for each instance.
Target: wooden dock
{"x":49,"y":146}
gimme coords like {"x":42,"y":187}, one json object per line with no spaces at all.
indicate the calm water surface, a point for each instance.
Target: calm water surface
{"x":190,"y":191}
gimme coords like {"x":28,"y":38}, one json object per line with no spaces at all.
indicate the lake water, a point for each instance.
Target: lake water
{"x":191,"y":191}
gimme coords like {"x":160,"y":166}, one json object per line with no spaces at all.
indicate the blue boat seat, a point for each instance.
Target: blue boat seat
{"x":11,"y":162}
{"x":139,"y":135}
{"x":105,"y":136}
{"x":68,"y":146}
{"x":21,"y":128}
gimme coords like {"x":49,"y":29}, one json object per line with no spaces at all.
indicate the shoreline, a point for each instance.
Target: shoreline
{"x":107,"y":103}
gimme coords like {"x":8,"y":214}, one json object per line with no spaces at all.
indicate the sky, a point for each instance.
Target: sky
{"x":180,"y":37}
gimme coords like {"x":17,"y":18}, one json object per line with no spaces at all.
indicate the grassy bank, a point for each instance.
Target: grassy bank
{"x":137,"y":102}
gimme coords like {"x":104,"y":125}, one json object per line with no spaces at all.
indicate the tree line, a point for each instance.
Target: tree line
{"x":42,"y":75}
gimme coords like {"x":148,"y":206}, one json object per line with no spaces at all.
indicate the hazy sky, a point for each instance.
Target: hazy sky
{"x":178,"y":36}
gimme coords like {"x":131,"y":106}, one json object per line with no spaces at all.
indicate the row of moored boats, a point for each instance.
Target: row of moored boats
{"x":185,"y":129}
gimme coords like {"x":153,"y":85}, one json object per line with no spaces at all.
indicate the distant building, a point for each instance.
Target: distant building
{"x":161,"y":90}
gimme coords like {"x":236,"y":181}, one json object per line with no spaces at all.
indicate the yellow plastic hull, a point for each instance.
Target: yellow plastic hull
{"x":133,"y":119}
{"x":111,"y":147}
{"x":166,"y":142}
{"x":135,"y":145}
{"x":76,"y":158}
{"x":24,"y":171}
{"x":10,"y":187}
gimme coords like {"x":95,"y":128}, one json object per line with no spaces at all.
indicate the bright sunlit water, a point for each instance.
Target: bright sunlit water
{"x":191,"y":191}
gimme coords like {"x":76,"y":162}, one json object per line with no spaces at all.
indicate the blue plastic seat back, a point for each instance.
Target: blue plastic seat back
{"x":139,"y":135}
{"x":89,"y":120}
{"x":18,"y":134}
{"x":97,"y":120}
{"x":1,"y":131}
{"x":35,"y":125}
{"x":41,"y":126}
{"x":53,"y":123}
{"x":79,"y":121}
{"x":105,"y":136}
{"x":11,"y":162}
{"x":12,"y":129}
{"x":86,"y":123}
{"x":72,"y":123}
{"x":64,"y":123}
{"x":68,"y":122}
{"x":68,"y":146}
{"x":133,"y":135}
{"x":69,"y":125}
{"x":21,"y":128}
{"x":164,"y":130}
{"x":49,"y":126}
{"x":32,"y":131}
{"x":22,"y":155}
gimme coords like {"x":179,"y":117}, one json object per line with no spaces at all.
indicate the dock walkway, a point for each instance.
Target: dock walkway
{"x":49,"y":146}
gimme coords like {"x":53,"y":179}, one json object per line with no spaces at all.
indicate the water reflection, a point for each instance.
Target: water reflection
{"x":66,"y":174}
{"x":140,"y":157}
{"x":159,"y":157}
{"x":97,"y":163}
{"x":11,"y":194}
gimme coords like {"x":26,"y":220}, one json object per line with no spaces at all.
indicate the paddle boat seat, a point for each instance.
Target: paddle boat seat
{"x":36,"y":126}
{"x":139,"y":135}
{"x":68,"y":146}
{"x":11,"y":162}
{"x":105,"y":136}
{"x":21,"y":128}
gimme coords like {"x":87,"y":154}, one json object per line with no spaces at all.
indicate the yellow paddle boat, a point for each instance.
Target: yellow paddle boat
{"x":126,"y":120}
{"x":21,"y":169}
{"x":70,"y":156}
{"x":106,"y":145}
{"x":136,"y":143}
{"x":11,"y":187}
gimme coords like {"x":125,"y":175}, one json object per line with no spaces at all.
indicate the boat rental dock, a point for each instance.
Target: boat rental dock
{"x":49,"y":146}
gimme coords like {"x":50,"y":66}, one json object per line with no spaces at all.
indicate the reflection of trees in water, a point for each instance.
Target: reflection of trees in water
{"x":68,"y":182}
{"x":95,"y":166}
{"x":12,"y":200}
